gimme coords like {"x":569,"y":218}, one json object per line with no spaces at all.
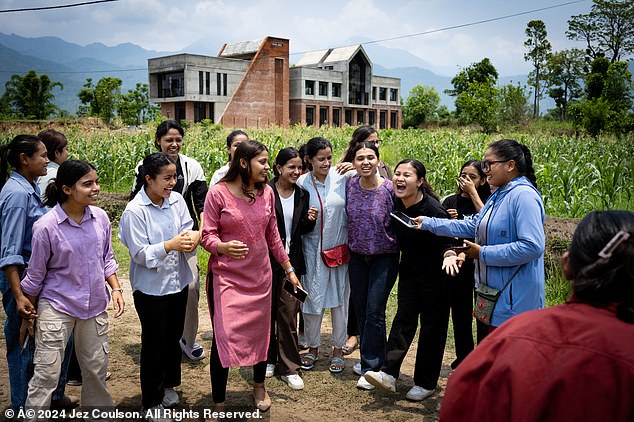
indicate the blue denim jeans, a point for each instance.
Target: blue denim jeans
{"x":371,"y":280}
{"x":20,"y":361}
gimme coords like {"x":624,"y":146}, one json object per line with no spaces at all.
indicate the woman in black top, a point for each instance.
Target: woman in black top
{"x":422,"y":288}
{"x":283,"y":347}
{"x":473,"y":191}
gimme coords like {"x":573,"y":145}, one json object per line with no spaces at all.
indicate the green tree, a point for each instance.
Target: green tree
{"x":482,"y":72}
{"x":608,"y":30}
{"x":513,"y":103}
{"x":421,"y":106}
{"x":479,"y":104}
{"x":538,"y":49}
{"x":135,"y":107}
{"x":565,"y":70}
{"x":31,"y":96}
{"x":102,"y":99}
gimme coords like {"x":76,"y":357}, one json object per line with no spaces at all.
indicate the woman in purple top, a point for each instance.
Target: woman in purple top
{"x":374,"y":255}
{"x":71,"y":261}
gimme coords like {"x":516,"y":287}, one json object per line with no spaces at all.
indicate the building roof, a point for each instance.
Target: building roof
{"x":312,"y":58}
{"x":332,"y":55}
{"x":241,"y":48}
{"x":342,"y":54}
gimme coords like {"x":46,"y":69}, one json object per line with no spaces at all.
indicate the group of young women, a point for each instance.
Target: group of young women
{"x":332,"y":227}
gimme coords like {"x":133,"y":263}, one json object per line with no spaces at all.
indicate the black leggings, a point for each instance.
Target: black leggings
{"x":219,"y":374}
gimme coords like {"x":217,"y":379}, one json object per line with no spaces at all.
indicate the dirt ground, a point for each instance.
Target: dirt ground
{"x":325,"y":397}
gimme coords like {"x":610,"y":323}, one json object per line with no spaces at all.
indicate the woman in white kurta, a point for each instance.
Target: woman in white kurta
{"x":326,"y":286}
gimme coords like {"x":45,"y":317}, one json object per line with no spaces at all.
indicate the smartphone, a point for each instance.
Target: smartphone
{"x":404,"y":219}
{"x":300,"y":294}
{"x":460,"y":248}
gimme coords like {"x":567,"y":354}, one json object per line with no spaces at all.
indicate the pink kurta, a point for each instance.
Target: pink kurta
{"x":241,"y":287}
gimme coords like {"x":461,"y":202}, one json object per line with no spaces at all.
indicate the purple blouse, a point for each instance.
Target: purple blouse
{"x":70,"y":262}
{"x":369,"y":222}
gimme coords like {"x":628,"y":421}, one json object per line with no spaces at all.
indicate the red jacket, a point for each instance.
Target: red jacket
{"x":572,"y":362}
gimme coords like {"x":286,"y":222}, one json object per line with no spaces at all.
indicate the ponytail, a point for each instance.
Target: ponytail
{"x":529,"y":171}
{"x":10,"y":154}
{"x":68,"y":174}
{"x":510,"y":149}
{"x":152,"y":165}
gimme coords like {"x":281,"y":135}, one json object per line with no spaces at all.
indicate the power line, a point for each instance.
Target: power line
{"x":433,"y":31}
{"x":61,"y":6}
{"x":83,"y":71}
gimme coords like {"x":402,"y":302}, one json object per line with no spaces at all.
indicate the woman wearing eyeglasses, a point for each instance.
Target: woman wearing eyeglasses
{"x":508,"y":231}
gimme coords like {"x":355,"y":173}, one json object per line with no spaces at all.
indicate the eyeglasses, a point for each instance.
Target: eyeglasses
{"x":377,"y":142}
{"x":486,"y":164}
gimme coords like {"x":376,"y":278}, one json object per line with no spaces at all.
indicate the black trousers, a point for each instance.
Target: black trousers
{"x":461,"y":302}
{"x":162,"y":320}
{"x":427,"y":300}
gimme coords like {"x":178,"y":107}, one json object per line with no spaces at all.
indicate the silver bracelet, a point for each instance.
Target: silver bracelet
{"x":290,"y":270}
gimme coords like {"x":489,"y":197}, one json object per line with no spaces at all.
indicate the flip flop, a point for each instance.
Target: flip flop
{"x":337,"y":365}
{"x":308,"y":361}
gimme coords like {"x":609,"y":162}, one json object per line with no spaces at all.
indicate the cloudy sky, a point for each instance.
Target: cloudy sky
{"x":205,"y":25}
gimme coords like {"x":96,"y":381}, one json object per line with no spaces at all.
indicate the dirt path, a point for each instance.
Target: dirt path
{"x":325,"y":397}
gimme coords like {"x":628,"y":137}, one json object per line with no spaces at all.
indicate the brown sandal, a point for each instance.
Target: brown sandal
{"x":265,"y":404}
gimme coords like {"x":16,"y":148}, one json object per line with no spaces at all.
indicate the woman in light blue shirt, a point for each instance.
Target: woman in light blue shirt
{"x":155,"y":227}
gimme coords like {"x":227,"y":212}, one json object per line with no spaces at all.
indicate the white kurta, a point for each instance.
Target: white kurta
{"x":325,"y":286}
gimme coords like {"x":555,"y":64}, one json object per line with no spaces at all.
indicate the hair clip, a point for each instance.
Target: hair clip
{"x":620,"y":237}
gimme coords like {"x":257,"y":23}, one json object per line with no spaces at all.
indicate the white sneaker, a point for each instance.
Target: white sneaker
{"x":385,"y":382}
{"x":270,"y":370}
{"x":156,"y":414}
{"x":363,"y":384}
{"x":294,"y":381}
{"x":417,"y":393}
{"x":170,"y":398}
{"x":357,"y":369}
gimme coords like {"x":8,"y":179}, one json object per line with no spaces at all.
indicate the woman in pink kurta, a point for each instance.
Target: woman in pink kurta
{"x":239,"y":230}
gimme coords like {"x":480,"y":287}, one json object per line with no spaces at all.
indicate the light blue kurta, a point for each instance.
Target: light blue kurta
{"x":325,"y":286}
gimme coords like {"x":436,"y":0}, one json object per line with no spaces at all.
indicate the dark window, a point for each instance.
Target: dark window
{"x":382,"y":119}
{"x":360,"y":117}
{"x":371,"y":117}
{"x":200,"y":111}
{"x":200,"y":82}
{"x":172,"y":85}
{"x":224,"y":84}
{"x":382,"y":94}
{"x":218,"y":84}
{"x":179,"y":111}
{"x":356,"y":84}
{"x":310,"y":87}
{"x":393,"y":119}
{"x":329,"y":67}
{"x":323,"y":89}
{"x":310,"y":115}
{"x":348,"y":117}
{"x":393,"y":94}
{"x":323,"y":116}
{"x":207,"y":83}
{"x":336,"y":117}
{"x":373,"y":93}
{"x":336,"y":90}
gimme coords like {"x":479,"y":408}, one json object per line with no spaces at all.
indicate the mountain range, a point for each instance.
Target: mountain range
{"x":71,"y":64}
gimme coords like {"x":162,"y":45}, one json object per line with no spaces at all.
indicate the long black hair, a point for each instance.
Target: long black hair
{"x":421,"y":173}
{"x":10,"y":154}
{"x":603,"y":273}
{"x":247,"y":150}
{"x":510,"y":149}
{"x":68,"y":174}
{"x":152,"y":165}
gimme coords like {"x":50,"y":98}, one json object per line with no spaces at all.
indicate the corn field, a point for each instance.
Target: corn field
{"x":574,"y":175}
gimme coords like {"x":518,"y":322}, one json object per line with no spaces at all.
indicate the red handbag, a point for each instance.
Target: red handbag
{"x":333,"y":257}
{"x":336,"y":256}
